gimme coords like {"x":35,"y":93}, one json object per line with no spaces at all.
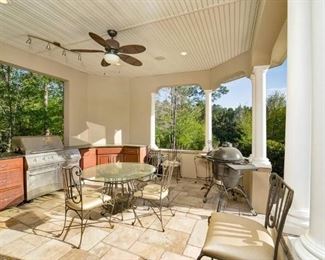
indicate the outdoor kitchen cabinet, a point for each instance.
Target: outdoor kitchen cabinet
{"x":109,"y":155}
{"x":134,"y":154}
{"x":11,"y":182}
{"x":88,"y":157}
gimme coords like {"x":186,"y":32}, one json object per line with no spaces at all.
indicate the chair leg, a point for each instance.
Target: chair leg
{"x":161,"y":219}
{"x":64,"y":224}
{"x":82,"y":228}
{"x":136,"y":217}
{"x":200,"y":256}
{"x":168,"y":206}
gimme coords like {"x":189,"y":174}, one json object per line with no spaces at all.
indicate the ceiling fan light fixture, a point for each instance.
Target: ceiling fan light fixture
{"x":111,"y":58}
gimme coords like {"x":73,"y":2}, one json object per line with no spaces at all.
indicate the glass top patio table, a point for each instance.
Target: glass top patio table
{"x":118,"y":172}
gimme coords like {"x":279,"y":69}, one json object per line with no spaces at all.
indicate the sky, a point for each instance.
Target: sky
{"x":240,"y":90}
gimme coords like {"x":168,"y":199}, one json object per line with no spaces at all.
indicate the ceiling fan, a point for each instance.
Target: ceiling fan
{"x":113,"y":52}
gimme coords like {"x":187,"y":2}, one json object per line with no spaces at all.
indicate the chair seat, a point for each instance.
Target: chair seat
{"x":151,"y":192}
{"x":234,"y":237}
{"x":91,"y":200}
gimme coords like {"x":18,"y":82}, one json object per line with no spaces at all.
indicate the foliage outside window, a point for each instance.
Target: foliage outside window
{"x":30,"y":104}
{"x":235,"y":125}
{"x":180,"y":117}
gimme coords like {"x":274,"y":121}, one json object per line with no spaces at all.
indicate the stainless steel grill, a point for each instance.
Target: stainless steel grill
{"x":44,"y":158}
{"x":228,"y":166}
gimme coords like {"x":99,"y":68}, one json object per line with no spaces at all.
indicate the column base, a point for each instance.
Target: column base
{"x":207,"y":148}
{"x":262,"y":163}
{"x":297,"y":222}
{"x":153,"y":147}
{"x":305,"y":248}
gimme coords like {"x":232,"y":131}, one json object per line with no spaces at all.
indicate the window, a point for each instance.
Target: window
{"x":30,"y":104}
{"x":180,"y":114}
{"x":232,"y":115}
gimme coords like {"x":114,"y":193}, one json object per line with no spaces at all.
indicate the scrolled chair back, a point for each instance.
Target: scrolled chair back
{"x":168,"y":168}
{"x":72,"y":184}
{"x":278,"y":204}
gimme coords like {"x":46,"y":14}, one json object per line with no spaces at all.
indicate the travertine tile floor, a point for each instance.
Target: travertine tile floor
{"x":27,"y":231}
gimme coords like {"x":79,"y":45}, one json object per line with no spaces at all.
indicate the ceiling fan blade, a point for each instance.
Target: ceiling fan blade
{"x":113,"y":43}
{"x":104,"y":63}
{"x":85,"y":50}
{"x":132,"y":49}
{"x":98,"y":39}
{"x":129,"y":59}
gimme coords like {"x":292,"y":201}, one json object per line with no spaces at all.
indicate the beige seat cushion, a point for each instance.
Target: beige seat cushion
{"x":151,"y":192}
{"x":234,"y":237}
{"x":91,"y":200}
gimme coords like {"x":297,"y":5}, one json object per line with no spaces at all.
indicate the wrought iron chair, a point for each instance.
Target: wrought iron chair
{"x":82,"y":203}
{"x":234,"y":237}
{"x":174,"y":157}
{"x":155,"y":194}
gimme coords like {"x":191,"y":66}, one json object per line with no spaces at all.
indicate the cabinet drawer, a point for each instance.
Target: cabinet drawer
{"x":109,"y":150}
{"x":131,"y":150}
{"x":11,"y":196}
{"x":6,"y":165}
{"x":11,"y":177}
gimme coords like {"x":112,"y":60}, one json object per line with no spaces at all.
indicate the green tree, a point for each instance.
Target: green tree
{"x":30,"y":104}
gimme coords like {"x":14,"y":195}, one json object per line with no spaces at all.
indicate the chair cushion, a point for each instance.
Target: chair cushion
{"x":91,"y":200}
{"x":234,"y":237}
{"x":151,"y":192}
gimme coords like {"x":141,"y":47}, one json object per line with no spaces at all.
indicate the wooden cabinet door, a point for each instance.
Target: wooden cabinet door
{"x":11,"y":182}
{"x":88,"y":158}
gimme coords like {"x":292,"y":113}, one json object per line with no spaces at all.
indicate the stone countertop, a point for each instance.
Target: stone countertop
{"x":6,"y":156}
{"x":87,"y":146}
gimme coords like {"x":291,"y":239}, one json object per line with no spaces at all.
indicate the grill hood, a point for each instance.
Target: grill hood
{"x":36,"y":144}
{"x":226,"y":153}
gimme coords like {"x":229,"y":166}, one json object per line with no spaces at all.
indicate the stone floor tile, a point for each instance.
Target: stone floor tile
{"x":53,"y":249}
{"x":8,"y":235}
{"x":181,"y":223}
{"x":123,"y":236}
{"x":100,"y":249}
{"x":172,"y":256}
{"x":35,"y":240}
{"x":171,"y":240}
{"x":150,"y":252}
{"x":192,"y":251}
{"x":189,"y":201}
{"x":17,"y":248}
{"x":78,"y":254}
{"x":118,"y":254}
{"x":91,"y":237}
{"x":198,"y":235}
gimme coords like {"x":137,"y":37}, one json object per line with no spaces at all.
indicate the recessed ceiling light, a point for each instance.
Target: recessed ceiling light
{"x":4,"y":2}
{"x":160,"y":58}
{"x":118,"y":64}
{"x":183,"y":53}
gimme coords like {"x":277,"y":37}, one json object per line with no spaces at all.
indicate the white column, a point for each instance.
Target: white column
{"x":259,"y":157}
{"x":208,"y":120}
{"x":298,"y":115}
{"x":312,"y":244}
{"x":153,"y":122}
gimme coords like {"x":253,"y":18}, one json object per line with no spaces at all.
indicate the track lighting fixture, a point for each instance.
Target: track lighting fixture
{"x":50,"y":44}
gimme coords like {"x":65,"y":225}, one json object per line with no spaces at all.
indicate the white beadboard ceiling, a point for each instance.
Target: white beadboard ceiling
{"x":210,"y":31}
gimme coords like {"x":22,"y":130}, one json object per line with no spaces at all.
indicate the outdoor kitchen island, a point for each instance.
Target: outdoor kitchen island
{"x":93,"y":155}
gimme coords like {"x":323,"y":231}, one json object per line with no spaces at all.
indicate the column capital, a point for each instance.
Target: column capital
{"x":260,"y":68}
{"x":208,"y":91}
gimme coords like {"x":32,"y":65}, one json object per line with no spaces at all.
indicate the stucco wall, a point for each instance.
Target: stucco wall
{"x":108,"y":110}
{"x":75,"y":87}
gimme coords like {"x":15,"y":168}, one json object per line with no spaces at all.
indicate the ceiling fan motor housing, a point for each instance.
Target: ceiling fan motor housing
{"x":112,"y":33}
